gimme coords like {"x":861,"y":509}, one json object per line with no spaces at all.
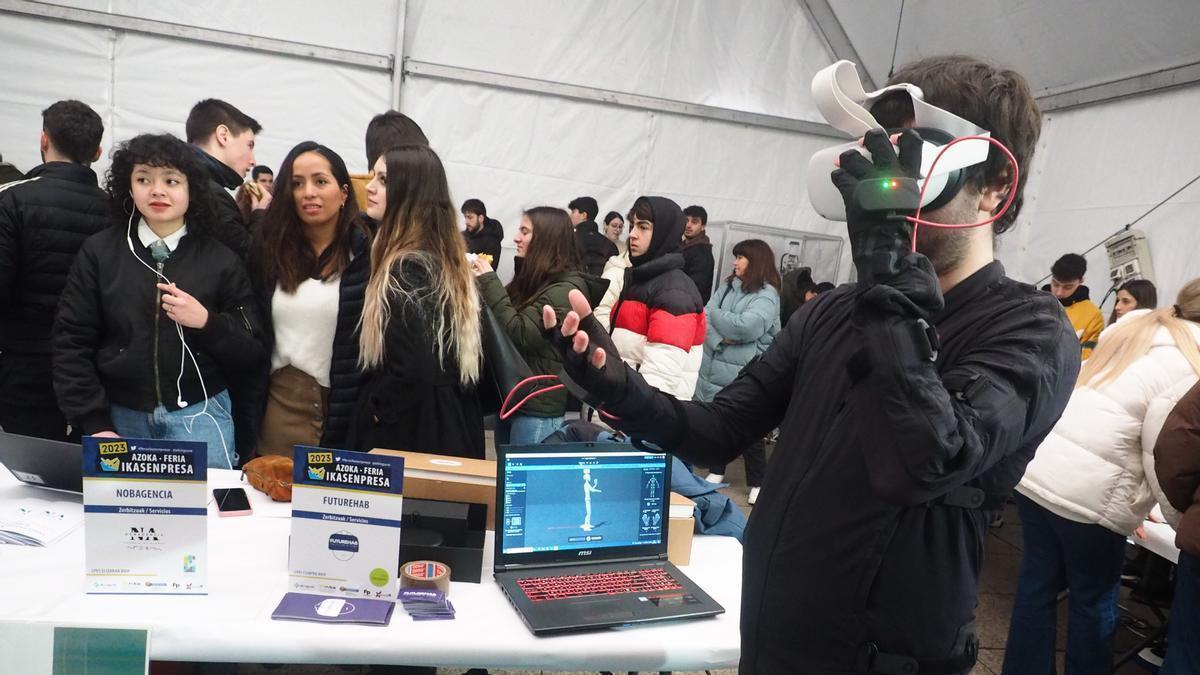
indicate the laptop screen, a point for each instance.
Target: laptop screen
{"x":591,"y":501}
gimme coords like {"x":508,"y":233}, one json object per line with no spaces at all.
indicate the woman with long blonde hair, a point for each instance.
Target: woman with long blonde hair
{"x":1089,"y":485}
{"x":419,"y":338}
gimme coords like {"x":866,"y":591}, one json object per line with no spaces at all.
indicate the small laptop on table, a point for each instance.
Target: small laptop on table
{"x":581,"y":538}
{"x":56,"y":465}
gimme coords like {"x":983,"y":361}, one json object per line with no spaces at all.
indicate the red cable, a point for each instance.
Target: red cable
{"x":915,"y":219}
{"x":507,"y":399}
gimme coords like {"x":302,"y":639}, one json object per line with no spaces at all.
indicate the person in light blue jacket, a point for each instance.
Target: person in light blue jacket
{"x":743,"y":319}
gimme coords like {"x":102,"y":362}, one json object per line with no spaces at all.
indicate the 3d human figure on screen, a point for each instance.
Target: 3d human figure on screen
{"x":589,"y":486}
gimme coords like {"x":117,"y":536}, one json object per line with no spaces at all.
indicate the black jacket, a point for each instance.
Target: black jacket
{"x":796,"y":284}
{"x":869,"y":533}
{"x":9,"y":173}
{"x":595,"y":248}
{"x":414,"y":401}
{"x":113,"y":343}
{"x":43,"y":222}
{"x":228,"y":226}
{"x":344,"y":372}
{"x":698,"y":264}
{"x":486,"y":240}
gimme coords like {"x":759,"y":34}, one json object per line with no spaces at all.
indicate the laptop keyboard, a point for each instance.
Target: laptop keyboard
{"x":649,"y":580}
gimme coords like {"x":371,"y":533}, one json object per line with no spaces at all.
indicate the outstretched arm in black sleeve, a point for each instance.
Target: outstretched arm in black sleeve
{"x":705,"y":433}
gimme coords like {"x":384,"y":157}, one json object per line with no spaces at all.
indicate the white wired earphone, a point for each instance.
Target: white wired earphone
{"x":189,"y":420}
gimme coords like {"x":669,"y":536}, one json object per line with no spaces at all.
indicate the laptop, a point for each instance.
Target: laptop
{"x":581,"y":538}
{"x":56,"y":465}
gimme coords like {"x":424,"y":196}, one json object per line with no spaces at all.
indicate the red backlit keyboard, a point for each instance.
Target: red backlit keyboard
{"x":647,"y":580}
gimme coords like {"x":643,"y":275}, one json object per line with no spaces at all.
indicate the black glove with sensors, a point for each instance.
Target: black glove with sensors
{"x":879,"y":193}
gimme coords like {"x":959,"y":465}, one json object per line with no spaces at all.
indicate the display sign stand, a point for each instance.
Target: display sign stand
{"x":145,"y":516}
{"x":346,"y":512}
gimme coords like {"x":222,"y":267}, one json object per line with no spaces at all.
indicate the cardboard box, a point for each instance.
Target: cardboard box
{"x":450,"y":479}
{"x":681,"y":524}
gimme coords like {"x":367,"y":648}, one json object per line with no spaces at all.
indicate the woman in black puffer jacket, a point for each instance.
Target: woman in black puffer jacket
{"x":156,"y":314}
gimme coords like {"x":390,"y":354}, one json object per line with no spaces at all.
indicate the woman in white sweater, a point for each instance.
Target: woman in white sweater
{"x":1089,"y":485}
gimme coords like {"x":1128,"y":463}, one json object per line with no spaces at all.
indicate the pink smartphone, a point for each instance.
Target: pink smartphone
{"x":232,"y":502}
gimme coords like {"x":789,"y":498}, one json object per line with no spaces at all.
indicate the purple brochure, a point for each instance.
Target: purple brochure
{"x":326,"y":609}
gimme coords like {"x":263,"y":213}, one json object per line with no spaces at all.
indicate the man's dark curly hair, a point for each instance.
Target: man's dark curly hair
{"x":159,"y":150}
{"x":993,"y":98}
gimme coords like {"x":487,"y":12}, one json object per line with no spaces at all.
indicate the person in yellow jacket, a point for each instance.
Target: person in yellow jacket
{"x":1066,"y":283}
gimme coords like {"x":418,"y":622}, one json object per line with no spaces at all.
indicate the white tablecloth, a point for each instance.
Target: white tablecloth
{"x":248,"y":577}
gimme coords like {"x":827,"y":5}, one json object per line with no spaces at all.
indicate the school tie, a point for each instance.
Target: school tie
{"x":159,"y":250}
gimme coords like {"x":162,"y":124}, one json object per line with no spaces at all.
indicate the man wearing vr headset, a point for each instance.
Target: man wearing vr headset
{"x":908,"y":406}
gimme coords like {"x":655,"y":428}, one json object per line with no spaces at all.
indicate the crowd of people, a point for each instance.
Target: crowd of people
{"x":160,"y":306}
{"x":318,"y":307}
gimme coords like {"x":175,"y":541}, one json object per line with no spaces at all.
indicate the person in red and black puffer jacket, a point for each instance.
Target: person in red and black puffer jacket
{"x":658,"y":321}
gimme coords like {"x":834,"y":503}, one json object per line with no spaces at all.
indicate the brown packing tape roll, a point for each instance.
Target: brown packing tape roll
{"x":425,"y":574}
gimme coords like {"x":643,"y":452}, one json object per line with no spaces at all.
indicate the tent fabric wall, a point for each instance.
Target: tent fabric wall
{"x":516,"y":150}
{"x":758,"y":57}
{"x":511,"y":149}
{"x":43,"y":63}
{"x":157,"y":80}
{"x":140,"y":83}
{"x":519,"y":149}
{"x":1100,"y":167}
{"x":361,"y":25}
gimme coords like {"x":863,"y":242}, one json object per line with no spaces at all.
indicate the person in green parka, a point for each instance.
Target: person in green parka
{"x":553,"y":267}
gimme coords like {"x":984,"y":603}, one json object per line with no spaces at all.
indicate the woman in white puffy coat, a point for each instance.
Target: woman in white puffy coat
{"x":1089,"y":486}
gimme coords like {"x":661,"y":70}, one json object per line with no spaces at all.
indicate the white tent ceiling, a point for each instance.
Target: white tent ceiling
{"x":1058,"y":45}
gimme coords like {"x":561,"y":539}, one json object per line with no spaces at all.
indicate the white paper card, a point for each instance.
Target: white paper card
{"x":346,"y":511}
{"x":145,"y":518}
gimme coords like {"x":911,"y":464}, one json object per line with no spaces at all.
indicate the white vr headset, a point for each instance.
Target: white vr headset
{"x":840,"y":97}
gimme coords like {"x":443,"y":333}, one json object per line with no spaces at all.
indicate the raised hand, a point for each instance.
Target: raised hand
{"x":878,"y":193}
{"x":592,"y":367}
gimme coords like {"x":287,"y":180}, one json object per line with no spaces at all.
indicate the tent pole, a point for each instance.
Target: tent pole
{"x":1159,"y":80}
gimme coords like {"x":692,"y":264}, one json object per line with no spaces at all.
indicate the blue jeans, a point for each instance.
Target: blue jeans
{"x":526,"y":429}
{"x":1062,"y":554}
{"x":1183,"y":636}
{"x":214,"y":428}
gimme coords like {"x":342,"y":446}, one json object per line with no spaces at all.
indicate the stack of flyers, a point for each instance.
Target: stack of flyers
{"x":37,"y":522}
{"x":426,"y":604}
